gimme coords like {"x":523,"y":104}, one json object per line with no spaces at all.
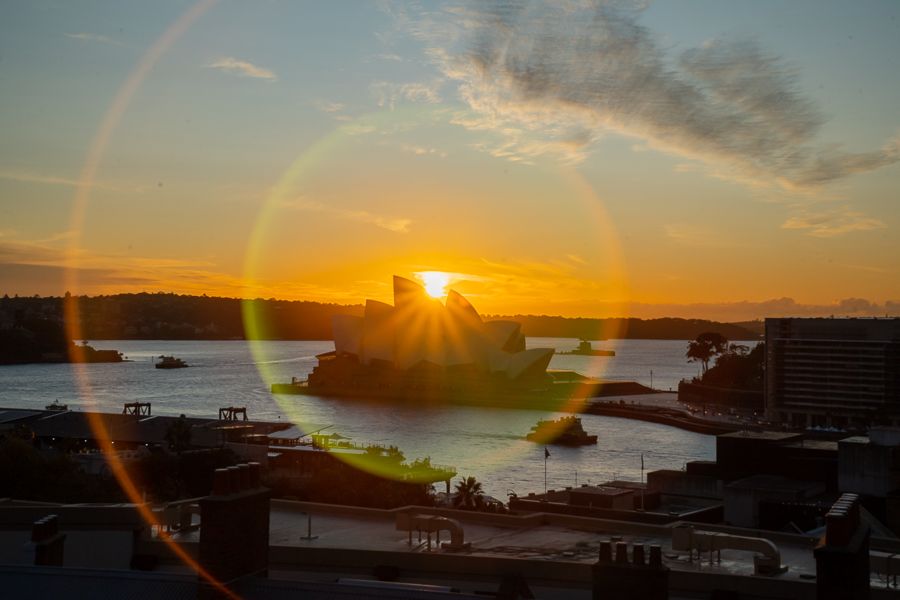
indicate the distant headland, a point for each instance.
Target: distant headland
{"x":34,"y":339}
{"x":183,"y":317}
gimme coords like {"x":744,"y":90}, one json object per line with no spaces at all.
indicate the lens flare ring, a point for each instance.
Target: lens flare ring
{"x":71,"y":315}
{"x":318,"y":157}
{"x":255,"y":326}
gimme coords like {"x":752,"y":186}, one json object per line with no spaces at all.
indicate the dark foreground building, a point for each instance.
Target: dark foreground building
{"x":842,"y":373}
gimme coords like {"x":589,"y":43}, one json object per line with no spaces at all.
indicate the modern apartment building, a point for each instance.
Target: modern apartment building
{"x":831,"y":372}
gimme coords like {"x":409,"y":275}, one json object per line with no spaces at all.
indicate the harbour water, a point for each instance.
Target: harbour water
{"x":486,"y":443}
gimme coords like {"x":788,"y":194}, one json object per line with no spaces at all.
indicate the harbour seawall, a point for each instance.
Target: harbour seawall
{"x":664,"y":416}
{"x":580,"y":398}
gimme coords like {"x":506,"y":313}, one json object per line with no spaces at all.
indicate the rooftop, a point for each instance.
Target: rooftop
{"x":774,"y":436}
{"x":826,"y":445}
{"x":774,"y":483}
{"x":544,"y":537}
{"x":557,"y":551}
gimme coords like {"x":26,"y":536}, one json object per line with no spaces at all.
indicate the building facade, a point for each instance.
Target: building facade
{"x":827,"y":372}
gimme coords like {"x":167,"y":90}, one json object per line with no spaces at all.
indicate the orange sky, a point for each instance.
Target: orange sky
{"x":187,"y":154}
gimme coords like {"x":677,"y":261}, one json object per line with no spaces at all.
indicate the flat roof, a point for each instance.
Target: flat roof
{"x":855,"y":439}
{"x":761,"y":435}
{"x":540,"y":536}
{"x":830,"y":445}
{"x":10,"y":415}
{"x":602,"y":490}
{"x":774,"y":482}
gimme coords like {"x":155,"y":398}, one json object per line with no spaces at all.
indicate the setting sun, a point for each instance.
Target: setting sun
{"x":435,"y":283}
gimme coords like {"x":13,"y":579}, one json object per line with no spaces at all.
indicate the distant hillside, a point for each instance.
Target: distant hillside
{"x":172,"y":317}
{"x":179,"y":317}
{"x":599,"y":329}
{"x":758,"y":327}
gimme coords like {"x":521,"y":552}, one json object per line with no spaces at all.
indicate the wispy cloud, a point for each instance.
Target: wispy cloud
{"x":388,"y":94}
{"x":395,"y":224}
{"x":867,"y":268}
{"x":691,"y":234}
{"x":832,"y":222}
{"x":550,"y":79}
{"x":40,"y":266}
{"x":776,"y":307}
{"x":553,"y":285}
{"x":243,"y":68}
{"x":48,"y":251}
{"x":328,"y":106}
{"x":29,"y":177}
{"x":422,"y":150}
{"x":830,"y":164}
{"x":46,"y":179}
{"x":93,"y":37}
{"x":358,"y":128}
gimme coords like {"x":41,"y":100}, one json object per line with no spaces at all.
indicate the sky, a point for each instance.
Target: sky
{"x":708,"y":159}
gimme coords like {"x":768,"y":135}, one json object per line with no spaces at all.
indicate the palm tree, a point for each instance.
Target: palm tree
{"x":469,"y":494}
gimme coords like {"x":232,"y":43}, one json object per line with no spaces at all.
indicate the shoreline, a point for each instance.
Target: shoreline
{"x":598,"y":401}
{"x":662,"y":416}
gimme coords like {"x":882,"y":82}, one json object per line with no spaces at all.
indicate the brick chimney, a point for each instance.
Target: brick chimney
{"x":618,"y":578}
{"x":234,"y":528}
{"x":842,"y":558}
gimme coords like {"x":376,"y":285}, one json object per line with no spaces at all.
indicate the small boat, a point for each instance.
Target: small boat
{"x":55,"y":406}
{"x":565,"y":431}
{"x":170,"y":362}
{"x":585,"y":349}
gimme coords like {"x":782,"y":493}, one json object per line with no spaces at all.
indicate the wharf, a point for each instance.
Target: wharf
{"x":565,"y":388}
{"x":126,"y":431}
{"x":624,"y":399}
{"x":660,"y":413}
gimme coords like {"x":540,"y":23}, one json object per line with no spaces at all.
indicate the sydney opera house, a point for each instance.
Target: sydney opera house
{"x":420,"y":347}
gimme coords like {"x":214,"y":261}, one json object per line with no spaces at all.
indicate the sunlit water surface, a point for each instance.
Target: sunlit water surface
{"x":486,"y":443}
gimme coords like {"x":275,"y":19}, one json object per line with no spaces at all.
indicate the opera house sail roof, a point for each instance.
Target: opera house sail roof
{"x":422,"y":343}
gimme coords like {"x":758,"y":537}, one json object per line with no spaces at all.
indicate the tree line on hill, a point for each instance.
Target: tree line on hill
{"x":42,"y":340}
{"x":668,"y":328}
{"x":172,"y":316}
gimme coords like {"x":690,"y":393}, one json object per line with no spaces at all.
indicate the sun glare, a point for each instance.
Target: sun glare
{"x":435,"y":283}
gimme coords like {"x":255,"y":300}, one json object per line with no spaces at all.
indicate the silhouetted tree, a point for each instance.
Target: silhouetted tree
{"x":29,"y":474}
{"x":738,"y":367}
{"x":706,"y":346}
{"x":469,"y":494}
{"x":178,"y":435}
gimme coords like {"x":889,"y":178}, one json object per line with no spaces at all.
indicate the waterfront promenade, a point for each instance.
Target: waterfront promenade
{"x":664,"y":408}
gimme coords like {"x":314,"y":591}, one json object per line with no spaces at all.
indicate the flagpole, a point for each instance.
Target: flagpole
{"x":546,"y":456}
{"x":642,"y":481}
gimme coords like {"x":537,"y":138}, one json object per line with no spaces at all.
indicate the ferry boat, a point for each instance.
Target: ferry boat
{"x":565,"y":431}
{"x":586,"y":349}
{"x":170,"y":362}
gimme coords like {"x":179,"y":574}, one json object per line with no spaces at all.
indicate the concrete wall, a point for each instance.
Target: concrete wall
{"x":96,"y":536}
{"x":742,"y":501}
{"x":251,"y":452}
{"x":679,"y":483}
{"x":867,"y":469}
